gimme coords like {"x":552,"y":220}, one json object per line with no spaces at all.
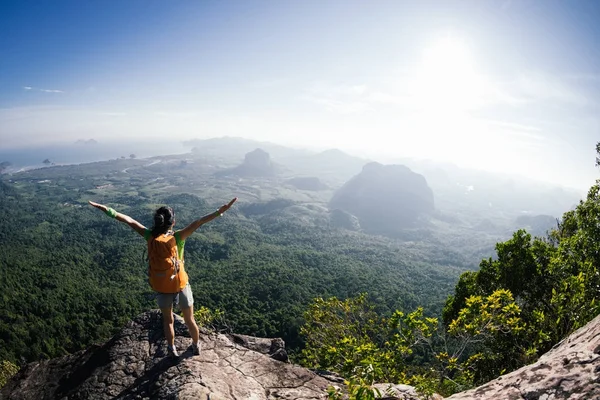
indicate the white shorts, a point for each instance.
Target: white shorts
{"x":185,"y":298}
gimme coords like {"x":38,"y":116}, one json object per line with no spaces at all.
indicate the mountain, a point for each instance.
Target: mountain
{"x":307,"y":183}
{"x":476,"y":193}
{"x":482,"y":192}
{"x":342,"y":219}
{"x":257,"y":163}
{"x":385,"y":197}
{"x":337,"y":159}
{"x":333,"y":166}
{"x":87,"y":142}
{"x":537,"y":225}
{"x":230,"y":147}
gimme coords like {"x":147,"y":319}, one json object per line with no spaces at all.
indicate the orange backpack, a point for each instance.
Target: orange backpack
{"x":165,"y":272}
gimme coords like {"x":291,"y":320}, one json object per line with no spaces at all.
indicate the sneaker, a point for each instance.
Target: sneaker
{"x":172,"y":351}
{"x":196,"y":349}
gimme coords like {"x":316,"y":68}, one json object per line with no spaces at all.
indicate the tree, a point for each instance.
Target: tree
{"x":485,"y":332}
{"x":350,"y":338}
{"x":7,"y":370}
{"x":340,"y":335}
{"x":555,"y":281}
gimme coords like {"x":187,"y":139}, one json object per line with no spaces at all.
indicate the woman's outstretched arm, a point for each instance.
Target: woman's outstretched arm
{"x":133,"y":224}
{"x":191,"y":228}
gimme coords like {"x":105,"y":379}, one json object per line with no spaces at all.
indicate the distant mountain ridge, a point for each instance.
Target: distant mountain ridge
{"x":86,"y":141}
{"x":257,"y":163}
{"x":453,"y":186}
{"x":385,"y":197}
{"x":307,"y":183}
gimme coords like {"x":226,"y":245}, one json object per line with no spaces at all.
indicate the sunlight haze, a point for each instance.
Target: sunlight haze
{"x":506,"y":86}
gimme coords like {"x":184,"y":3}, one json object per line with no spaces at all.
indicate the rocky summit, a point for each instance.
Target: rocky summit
{"x":134,"y":365}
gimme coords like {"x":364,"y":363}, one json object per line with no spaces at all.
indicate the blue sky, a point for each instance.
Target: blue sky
{"x":511,"y":86}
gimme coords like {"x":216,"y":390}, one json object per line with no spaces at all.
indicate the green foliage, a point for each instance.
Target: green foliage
{"x":359,"y":386}
{"x":339,"y":334}
{"x":426,"y":385}
{"x":495,"y":314}
{"x":516,"y":307}
{"x":7,"y":370}
{"x":350,"y":338}
{"x":485,"y":331}
{"x":212,"y":319}
{"x":554,"y":280}
{"x":70,"y":276}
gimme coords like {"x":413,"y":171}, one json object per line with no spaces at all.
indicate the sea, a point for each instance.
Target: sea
{"x":25,"y":158}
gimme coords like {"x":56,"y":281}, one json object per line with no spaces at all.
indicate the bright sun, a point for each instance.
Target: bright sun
{"x":447,"y":80}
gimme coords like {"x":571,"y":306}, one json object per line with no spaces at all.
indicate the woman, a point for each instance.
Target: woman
{"x":164,"y":221}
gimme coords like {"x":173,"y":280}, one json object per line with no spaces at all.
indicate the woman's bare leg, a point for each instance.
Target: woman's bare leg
{"x":188,"y":316}
{"x":168,"y":327}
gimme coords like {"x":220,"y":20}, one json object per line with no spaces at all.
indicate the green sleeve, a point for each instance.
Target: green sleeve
{"x":147,"y":234}
{"x":180,"y":244}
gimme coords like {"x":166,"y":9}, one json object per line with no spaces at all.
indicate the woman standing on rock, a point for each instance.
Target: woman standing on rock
{"x":166,"y":271}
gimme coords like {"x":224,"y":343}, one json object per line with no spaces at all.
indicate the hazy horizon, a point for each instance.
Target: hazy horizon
{"x":503,"y":86}
{"x":24,"y":158}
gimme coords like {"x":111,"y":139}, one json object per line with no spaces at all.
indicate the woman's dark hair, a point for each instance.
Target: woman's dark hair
{"x":163,"y":220}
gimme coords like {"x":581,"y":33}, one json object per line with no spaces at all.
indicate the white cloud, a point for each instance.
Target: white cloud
{"x":353,"y":98}
{"x":518,"y":129}
{"x":265,"y":84}
{"x":42,"y":90}
{"x":51,"y":91}
{"x":177,"y":114}
{"x":544,"y":87}
{"x":113,"y":114}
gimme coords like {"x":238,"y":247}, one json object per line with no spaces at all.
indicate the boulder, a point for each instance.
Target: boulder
{"x":134,"y":365}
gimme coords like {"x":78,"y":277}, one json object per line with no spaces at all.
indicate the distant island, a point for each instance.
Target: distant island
{"x":87,"y":142}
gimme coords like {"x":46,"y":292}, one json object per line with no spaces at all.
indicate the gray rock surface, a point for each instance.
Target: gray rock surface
{"x":133,"y":365}
{"x":275,"y":348}
{"x":571,"y":370}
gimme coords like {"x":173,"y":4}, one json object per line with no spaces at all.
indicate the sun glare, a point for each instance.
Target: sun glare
{"x":447,"y":79}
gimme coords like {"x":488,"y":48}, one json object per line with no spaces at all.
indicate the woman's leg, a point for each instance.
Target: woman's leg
{"x":186,"y":303}
{"x":188,"y":316}
{"x":165,"y":303}
{"x":168,"y":327}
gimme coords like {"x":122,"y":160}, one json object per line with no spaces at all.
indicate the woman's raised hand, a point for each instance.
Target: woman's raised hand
{"x":227,"y":206}
{"x":98,"y":206}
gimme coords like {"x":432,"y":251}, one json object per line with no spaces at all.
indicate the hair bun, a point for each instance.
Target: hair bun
{"x":159,"y":220}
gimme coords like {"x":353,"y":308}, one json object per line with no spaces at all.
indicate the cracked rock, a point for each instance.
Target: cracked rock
{"x":133,"y":365}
